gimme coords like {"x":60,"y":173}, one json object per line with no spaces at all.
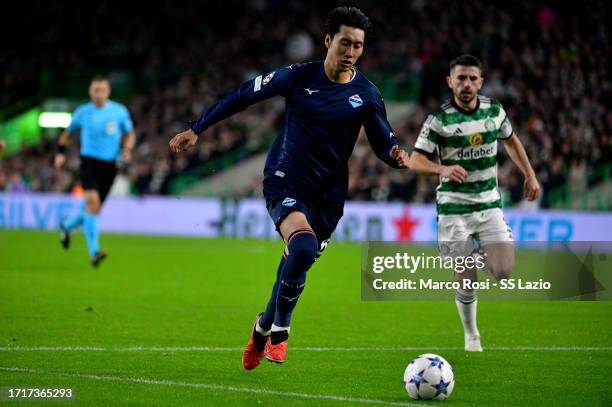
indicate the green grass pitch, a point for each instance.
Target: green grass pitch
{"x":163,"y":320}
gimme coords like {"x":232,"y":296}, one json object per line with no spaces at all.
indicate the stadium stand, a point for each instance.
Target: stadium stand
{"x":548,"y":64}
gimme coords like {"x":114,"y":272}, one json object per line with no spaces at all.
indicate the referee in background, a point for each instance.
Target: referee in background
{"x":106,"y":134}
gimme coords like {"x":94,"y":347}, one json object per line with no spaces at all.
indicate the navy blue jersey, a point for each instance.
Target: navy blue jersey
{"x":321,"y":126}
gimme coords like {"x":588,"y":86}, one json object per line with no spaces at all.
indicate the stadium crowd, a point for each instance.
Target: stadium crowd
{"x":548,"y":65}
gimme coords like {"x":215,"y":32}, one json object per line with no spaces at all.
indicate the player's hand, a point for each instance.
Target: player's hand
{"x":126,"y":156}
{"x":183,"y":141}
{"x":59,"y":161}
{"x":531,"y":188}
{"x":400,"y":156}
{"x":455,"y":172}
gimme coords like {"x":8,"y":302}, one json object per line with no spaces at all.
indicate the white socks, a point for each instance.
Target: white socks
{"x":467,"y":313}
{"x":261,"y":330}
{"x":280,"y":328}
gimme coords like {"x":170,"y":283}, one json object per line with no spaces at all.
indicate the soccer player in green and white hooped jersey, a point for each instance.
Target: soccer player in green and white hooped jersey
{"x":464,"y":133}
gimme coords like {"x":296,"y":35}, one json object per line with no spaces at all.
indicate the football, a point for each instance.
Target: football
{"x":429,"y":376}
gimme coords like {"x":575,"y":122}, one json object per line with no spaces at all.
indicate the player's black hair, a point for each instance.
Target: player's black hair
{"x":98,"y":78}
{"x":349,"y":16}
{"x":466,"y":60}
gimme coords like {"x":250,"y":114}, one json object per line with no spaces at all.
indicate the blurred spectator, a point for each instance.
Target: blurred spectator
{"x":548,"y":64}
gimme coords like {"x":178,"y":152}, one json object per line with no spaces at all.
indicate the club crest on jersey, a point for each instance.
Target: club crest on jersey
{"x":111,"y":127}
{"x":288,"y":202}
{"x":355,"y":101}
{"x":490,"y":125}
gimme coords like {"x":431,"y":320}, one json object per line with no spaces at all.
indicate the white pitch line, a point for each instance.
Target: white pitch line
{"x":430,"y":348}
{"x":296,"y":349}
{"x":553,"y":348}
{"x":125,"y":349}
{"x":210,"y":386}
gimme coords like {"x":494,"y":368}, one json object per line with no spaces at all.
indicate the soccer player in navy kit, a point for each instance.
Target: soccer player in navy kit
{"x":103,"y":125}
{"x":306,"y":172}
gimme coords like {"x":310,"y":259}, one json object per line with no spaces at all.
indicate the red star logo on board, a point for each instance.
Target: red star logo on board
{"x":405,"y":225}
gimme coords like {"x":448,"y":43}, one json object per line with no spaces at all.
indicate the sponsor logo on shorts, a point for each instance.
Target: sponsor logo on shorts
{"x":322,"y":247}
{"x":288,"y":202}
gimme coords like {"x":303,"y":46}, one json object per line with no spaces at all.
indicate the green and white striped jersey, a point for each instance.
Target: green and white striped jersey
{"x":468,"y":139}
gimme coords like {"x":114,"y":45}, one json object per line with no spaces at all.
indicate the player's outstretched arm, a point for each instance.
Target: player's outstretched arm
{"x":381,"y":136}
{"x":183,"y":141}
{"x":518,"y":155}
{"x":425,"y":146}
{"x":275,"y":83}
{"x":421,"y":164}
{"x":401,"y":156}
{"x":62,"y":145}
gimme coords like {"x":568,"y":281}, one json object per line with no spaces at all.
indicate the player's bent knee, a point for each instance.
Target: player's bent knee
{"x":307,"y":253}
{"x":93,"y":207}
{"x":293,"y":222}
{"x":501,"y":269}
{"x":503,"y":272}
{"x":500,"y":260}
{"x":92,"y":200}
{"x":303,"y":246}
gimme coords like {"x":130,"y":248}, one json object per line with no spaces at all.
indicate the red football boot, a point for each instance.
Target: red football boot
{"x":277,"y":352}
{"x":251,"y":355}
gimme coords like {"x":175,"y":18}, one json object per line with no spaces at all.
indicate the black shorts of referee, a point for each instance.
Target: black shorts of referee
{"x":98,"y":175}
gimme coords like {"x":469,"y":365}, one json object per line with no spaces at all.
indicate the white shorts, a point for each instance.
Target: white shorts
{"x":485,"y":227}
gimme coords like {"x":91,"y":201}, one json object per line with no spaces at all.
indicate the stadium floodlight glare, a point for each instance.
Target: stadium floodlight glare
{"x":54,"y":119}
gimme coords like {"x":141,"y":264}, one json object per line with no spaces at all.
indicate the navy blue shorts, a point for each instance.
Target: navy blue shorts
{"x":281,"y":200}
